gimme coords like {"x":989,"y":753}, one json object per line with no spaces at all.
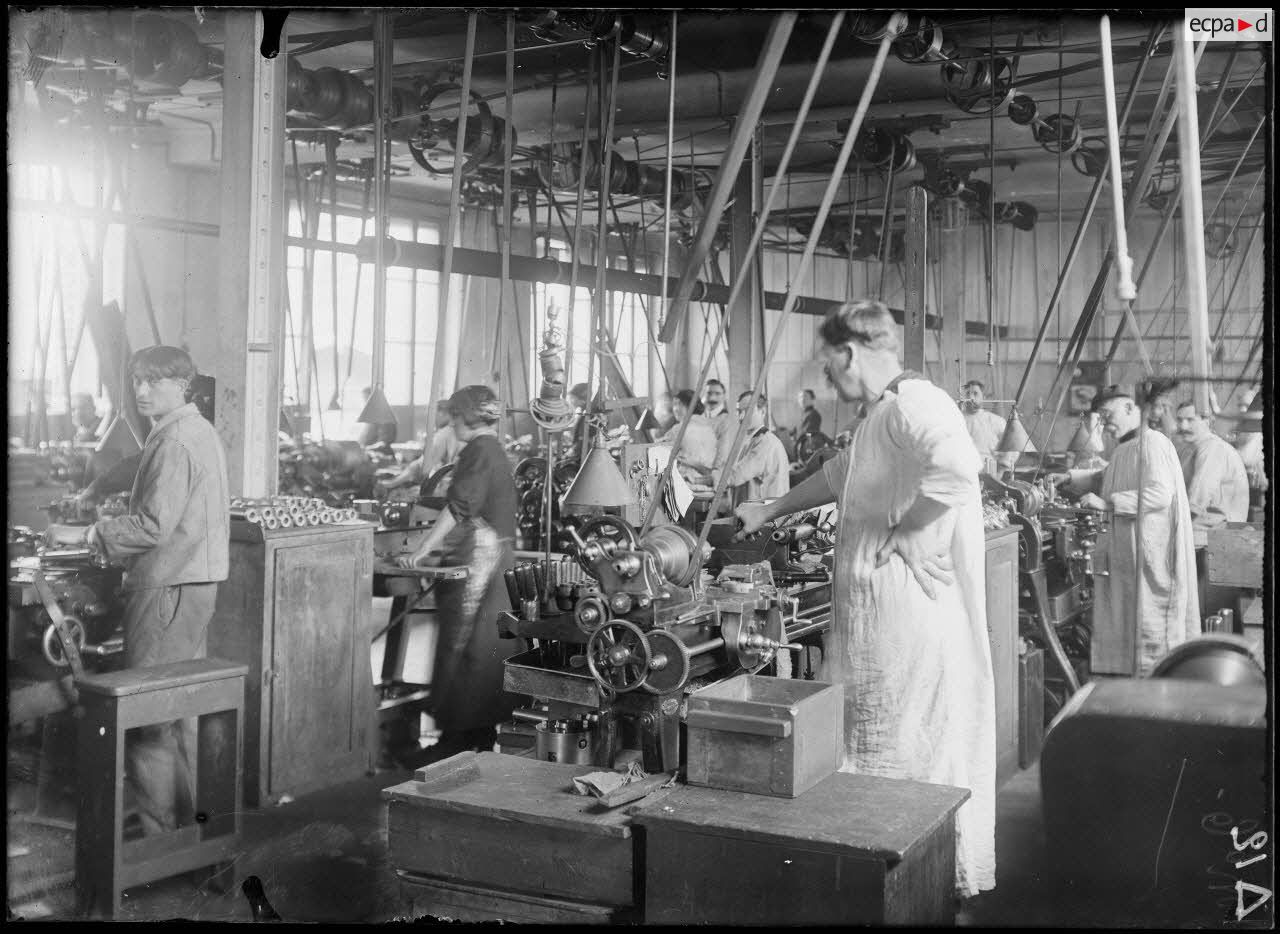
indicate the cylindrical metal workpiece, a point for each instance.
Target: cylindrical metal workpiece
{"x":564,"y":741}
{"x":513,"y":592}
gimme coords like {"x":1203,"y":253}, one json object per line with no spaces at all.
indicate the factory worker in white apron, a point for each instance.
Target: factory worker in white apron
{"x":909,"y":635}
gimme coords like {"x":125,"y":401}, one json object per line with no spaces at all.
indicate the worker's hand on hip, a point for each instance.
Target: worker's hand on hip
{"x":58,"y":534}
{"x":1092,"y":501}
{"x":753,"y":516}
{"x":927,"y":561}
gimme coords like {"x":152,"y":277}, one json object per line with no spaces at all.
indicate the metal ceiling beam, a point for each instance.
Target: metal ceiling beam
{"x":740,"y":138}
{"x":429,"y":256}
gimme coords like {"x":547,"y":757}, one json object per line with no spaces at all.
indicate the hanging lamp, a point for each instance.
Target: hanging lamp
{"x":1015,"y":438}
{"x":376,"y":411}
{"x":599,"y":483}
{"x":1086,"y":441}
{"x":119,"y":439}
{"x":1250,"y":422}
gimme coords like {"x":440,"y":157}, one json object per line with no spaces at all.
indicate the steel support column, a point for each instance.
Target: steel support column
{"x":952,"y":307}
{"x":1192,"y":218}
{"x":739,"y":140}
{"x":745,"y":341}
{"x":915,"y":266}
{"x":248,"y":332}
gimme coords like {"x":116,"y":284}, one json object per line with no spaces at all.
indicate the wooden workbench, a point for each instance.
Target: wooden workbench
{"x":853,"y":849}
{"x":487,"y":836}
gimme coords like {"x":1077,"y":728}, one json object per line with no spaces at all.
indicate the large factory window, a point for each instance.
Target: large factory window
{"x":337,"y":363}
{"x":625,"y":321}
{"x":50,"y":285}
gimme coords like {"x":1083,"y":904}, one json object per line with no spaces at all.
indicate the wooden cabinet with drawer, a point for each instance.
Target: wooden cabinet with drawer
{"x":296,"y":609}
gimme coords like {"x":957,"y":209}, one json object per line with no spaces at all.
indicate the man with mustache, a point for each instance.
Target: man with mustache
{"x":1165,"y":593}
{"x":1217,"y":485}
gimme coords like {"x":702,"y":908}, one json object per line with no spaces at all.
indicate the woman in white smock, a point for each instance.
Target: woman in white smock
{"x":909,"y":637}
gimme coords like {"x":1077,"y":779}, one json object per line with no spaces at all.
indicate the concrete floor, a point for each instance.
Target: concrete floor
{"x":323,"y":856}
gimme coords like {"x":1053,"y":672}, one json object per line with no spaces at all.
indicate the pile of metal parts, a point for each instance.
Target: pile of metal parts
{"x":1056,"y":568}
{"x":287,"y":512}
{"x":67,"y":463}
{"x":531,"y":478}
{"x":87,"y":593}
{"x":634,"y":627}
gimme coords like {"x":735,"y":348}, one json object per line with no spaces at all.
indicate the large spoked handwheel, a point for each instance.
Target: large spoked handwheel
{"x":606,"y":529}
{"x":618,"y":656}
{"x":51,"y":644}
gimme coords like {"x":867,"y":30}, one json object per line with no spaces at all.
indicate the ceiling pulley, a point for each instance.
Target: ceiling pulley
{"x":968,"y":84}
{"x":488,"y":137}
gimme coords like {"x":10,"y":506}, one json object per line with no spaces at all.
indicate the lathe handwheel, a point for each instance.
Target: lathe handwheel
{"x":590,"y":613}
{"x":618,"y":656}
{"x":51,"y":645}
{"x":673,"y":672}
{"x":609,"y":528}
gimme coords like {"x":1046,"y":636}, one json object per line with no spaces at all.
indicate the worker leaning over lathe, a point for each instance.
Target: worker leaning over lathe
{"x":173,"y":544}
{"x":1143,"y":464}
{"x":908,"y":633}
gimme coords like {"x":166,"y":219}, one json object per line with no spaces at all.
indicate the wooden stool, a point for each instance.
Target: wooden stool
{"x":209,"y":689}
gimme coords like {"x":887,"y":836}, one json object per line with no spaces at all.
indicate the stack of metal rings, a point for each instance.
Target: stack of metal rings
{"x":287,"y":512}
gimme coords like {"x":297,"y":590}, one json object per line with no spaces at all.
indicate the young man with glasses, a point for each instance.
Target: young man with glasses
{"x":762,"y":470}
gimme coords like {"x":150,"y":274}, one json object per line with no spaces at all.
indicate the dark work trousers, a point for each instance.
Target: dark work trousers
{"x":164,"y":625}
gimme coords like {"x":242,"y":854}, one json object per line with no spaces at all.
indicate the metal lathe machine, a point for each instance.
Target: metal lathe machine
{"x":626,"y":631}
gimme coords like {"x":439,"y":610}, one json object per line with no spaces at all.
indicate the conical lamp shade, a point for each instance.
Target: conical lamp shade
{"x":119,"y":439}
{"x":599,"y":483}
{"x":1250,"y":421}
{"x":376,"y":411}
{"x":1014,"y":440}
{"x":1086,"y":440}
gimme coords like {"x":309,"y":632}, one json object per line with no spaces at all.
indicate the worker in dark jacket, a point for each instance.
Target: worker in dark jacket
{"x":173,"y":544}
{"x":810,"y":418}
{"x":477,"y":531}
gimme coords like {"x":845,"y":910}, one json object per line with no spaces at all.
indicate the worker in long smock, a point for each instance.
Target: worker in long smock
{"x":909,"y":633}
{"x":1166,"y":595}
{"x":985,"y":427}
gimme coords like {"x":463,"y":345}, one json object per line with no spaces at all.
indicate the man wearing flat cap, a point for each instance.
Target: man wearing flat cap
{"x":1142,"y":608}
